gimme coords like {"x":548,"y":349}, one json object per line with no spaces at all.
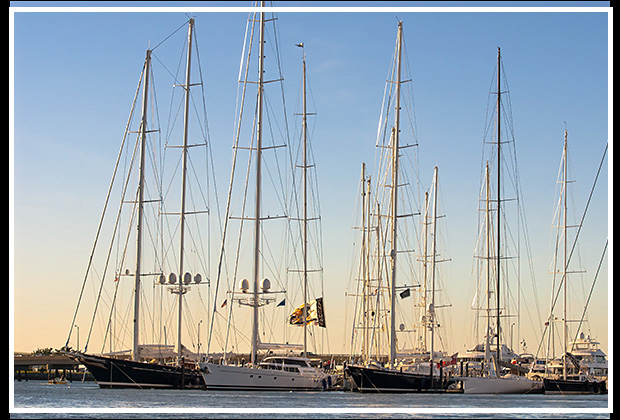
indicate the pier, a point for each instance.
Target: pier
{"x":45,"y":367}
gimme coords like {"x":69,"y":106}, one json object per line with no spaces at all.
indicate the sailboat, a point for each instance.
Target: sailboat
{"x":146,"y":365}
{"x":492,"y":380}
{"x":370,"y":374}
{"x":290,"y":371}
{"x":566,"y":373}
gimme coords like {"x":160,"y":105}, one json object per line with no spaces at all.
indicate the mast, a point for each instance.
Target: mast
{"x":487,"y":343}
{"x":182,"y":290}
{"x":565,"y":181}
{"x":376,"y":337}
{"x":433,"y":261}
{"x":394,"y":199}
{"x":257,"y":212}
{"x":499,"y":200}
{"x":366,"y":351}
{"x":425,"y":267}
{"x":143,"y":131}
{"x":305,"y":221}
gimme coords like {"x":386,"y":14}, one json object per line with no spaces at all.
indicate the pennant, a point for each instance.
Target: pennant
{"x":281,"y":303}
{"x":224,"y":303}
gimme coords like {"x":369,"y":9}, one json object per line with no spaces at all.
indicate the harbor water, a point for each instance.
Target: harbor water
{"x":77,"y":399}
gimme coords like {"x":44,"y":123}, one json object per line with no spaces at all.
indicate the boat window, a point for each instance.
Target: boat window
{"x":280,"y":361}
{"x":299,"y":362}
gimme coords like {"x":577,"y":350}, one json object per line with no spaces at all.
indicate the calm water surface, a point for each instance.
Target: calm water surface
{"x":38,"y":398}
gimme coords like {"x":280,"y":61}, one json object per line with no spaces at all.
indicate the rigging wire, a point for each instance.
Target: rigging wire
{"x":598,"y":269}
{"x":105,"y":206}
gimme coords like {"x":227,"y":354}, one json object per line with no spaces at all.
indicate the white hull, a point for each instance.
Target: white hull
{"x":504,"y":385}
{"x":248,"y":378}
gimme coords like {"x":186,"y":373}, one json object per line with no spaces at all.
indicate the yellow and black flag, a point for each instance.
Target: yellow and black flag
{"x":316,"y":314}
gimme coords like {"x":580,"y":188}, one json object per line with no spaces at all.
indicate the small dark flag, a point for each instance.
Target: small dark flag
{"x":405,"y":293}
{"x":281,"y":303}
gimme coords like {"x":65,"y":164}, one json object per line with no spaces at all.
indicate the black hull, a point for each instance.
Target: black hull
{"x":561,"y":386}
{"x":364,"y":379}
{"x":117,"y":373}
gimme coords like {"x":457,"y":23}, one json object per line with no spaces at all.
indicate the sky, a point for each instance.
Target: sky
{"x":74,"y":73}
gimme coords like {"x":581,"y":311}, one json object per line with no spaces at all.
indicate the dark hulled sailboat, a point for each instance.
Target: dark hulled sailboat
{"x":142,"y":368}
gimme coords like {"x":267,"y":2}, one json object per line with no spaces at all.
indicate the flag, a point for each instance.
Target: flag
{"x":315,"y":314}
{"x":224,"y":303}
{"x":450,"y":363}
{"x":295,"y":318}
{"x":405,"y":293}
{"x":281,"y":303}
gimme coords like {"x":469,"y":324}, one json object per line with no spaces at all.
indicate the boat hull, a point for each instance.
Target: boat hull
{"x":560,"y":386}
{"x":369,"y":379}
{"x":512,"y":385}
{"x":116,"y":373}
{"x":242,"y":378}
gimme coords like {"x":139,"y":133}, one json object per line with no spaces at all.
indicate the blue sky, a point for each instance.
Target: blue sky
{"x":75,"y":73}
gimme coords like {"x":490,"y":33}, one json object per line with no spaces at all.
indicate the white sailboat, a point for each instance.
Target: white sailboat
{"x":492,"y":380}
{"x":291,"y":371}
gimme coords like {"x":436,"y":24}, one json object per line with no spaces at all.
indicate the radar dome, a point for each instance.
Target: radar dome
{"x":265,"y":284}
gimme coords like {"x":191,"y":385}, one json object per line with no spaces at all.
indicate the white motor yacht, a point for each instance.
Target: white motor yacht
{"x":284,"y":373}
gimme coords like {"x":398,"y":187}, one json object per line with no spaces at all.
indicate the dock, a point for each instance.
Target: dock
{"x":49,"y":366}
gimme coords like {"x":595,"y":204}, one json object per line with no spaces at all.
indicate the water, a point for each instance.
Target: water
{"x":78,"y":399}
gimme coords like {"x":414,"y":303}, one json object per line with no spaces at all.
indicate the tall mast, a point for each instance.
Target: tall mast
{"x":366,"y":347}
{"x":487,"y":343}
{"x":565,"y":249}
{"x":376,"y":337}
{"x":499,"y":201}
{"x":182,"y":289}
{"x":433,"y":261}
{"x":394,"y":215}
{"x":257,"y":212}
{"x":425,"y":266}
{"x":305,"y":221}
{"x":143,"y":131}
